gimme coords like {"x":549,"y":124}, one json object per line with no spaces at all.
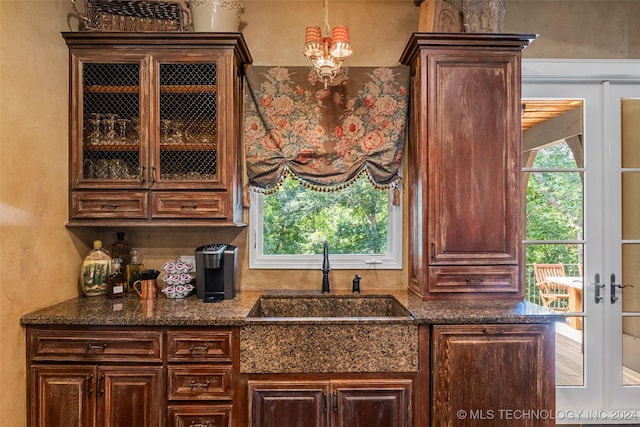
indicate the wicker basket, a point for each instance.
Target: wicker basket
{"x":132,"y":15}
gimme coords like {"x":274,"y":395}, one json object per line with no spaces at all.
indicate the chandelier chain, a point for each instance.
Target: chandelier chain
{"x":327,"y":28}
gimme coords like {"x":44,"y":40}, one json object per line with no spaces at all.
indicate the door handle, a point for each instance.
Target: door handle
{"x":614,"y":285}
{"x":598,"y":286}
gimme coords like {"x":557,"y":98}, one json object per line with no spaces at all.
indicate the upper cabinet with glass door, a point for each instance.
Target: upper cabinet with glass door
{"x":155,"y":128}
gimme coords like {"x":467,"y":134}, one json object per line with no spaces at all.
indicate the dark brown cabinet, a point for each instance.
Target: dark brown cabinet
{"x":498,"y":375}
{"x":288,"y":404}
{"x":155,"y":128}
{"x":335,"y":403}
{"x":102,"y":392}
{"x":202,"y":370}
{"x":108,"y":396}
{"x":463,"y":169}
{"x":132,"y":377}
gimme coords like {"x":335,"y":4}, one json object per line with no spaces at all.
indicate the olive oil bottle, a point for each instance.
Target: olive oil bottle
{"x":134,"y":267}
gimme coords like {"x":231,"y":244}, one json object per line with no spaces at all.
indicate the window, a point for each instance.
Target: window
{"x":361,"y":224}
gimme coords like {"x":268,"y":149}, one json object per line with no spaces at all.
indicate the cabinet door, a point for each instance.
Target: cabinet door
{"x":288,"y":404}
{"x":62,"y":396}
{"x":130,"y":396}
{"x":372,"y":403}
{"x":498,"y":375}
{"x":474,"y":147}
{"x":188,"y":121}
{"x":108,"y":119}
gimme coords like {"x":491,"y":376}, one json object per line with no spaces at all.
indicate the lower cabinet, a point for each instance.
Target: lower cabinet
{"x":202,"y":370}
{"x":335,"y":403}
{"x":497,"y":375}
{"x":87,"y":396}
{"x":469,"y":375}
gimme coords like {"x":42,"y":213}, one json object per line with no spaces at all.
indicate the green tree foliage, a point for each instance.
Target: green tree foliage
{"x":297,"y":220}
{"x":554,"y":207}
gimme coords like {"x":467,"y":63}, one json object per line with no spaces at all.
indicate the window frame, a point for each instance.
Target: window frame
{"x":258,"y":260}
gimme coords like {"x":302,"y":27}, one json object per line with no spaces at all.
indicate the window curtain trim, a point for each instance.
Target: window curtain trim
{"x":287,"y":173}
{"x":326,"y":138}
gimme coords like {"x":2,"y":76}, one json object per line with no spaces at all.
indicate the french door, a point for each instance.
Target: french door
{"x":598,"y":347}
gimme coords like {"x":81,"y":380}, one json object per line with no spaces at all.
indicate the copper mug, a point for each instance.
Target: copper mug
{"x":146,"y":288}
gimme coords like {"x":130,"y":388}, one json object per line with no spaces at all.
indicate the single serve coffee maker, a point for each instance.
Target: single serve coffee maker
{"x":216,"y":272}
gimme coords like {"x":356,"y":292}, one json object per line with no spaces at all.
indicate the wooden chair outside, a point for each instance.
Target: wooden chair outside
{"x":553,"y":295}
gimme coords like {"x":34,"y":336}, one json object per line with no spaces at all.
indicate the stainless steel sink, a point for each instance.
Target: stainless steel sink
{"x":332,"y":306}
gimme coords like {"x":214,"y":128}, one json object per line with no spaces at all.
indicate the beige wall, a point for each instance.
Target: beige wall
{"x":40,"y":258}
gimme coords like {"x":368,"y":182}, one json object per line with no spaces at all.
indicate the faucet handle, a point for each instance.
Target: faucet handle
{"x":356,"y":284}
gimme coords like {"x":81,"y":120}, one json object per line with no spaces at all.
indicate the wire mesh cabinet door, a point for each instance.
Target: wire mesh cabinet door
{"x":155,"y":128}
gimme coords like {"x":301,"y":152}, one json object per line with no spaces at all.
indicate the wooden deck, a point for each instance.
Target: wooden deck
{"x":570,"y":363}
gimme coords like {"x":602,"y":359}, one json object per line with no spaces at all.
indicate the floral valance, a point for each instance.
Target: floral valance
{"x":326,"y":137}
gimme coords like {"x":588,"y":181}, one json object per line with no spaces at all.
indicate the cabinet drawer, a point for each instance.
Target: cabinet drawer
{"x":198,"y":382}
{"x":123,"y":204}
{"x":199,"y":416}
{"x":200,"y":346}
{"x":95,"y":346}
{"x":485,"y":279}
{"x":189,"y":204}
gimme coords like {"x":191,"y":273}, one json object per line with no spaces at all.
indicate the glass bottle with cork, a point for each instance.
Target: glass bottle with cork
{"x":116,"y":283}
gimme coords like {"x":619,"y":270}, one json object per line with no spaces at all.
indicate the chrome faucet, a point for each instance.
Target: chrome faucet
{"x":325,"y":269}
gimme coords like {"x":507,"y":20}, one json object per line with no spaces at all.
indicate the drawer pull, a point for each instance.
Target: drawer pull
{"x":113,"y":206}
{"x":474,"y":280}
{"x":96,"y":347}
{"x":195,"y":385}
{"x":189,"y":206}
{"x":193,"y":424}
{"x":199,"y":349}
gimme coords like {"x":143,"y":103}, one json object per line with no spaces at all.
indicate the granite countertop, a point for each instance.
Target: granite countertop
{"x":133,"y":311}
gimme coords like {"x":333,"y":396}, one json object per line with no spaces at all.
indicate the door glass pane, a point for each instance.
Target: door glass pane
{"x":188,"y":122}
{"x":631,"y":350}
{"x":554,"y":205}
{"x":630,"y":205}
{"x":630,"y":144}
{"x":111,"y":121}
{"x":569,"y":356}
{"x":553,"y":278}
{"x":630,"y":292}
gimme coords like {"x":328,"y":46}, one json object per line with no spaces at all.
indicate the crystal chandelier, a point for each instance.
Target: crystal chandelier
{"x":327,"y":52}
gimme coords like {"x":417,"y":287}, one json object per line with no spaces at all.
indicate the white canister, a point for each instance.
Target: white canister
{"x":216,"y":15}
